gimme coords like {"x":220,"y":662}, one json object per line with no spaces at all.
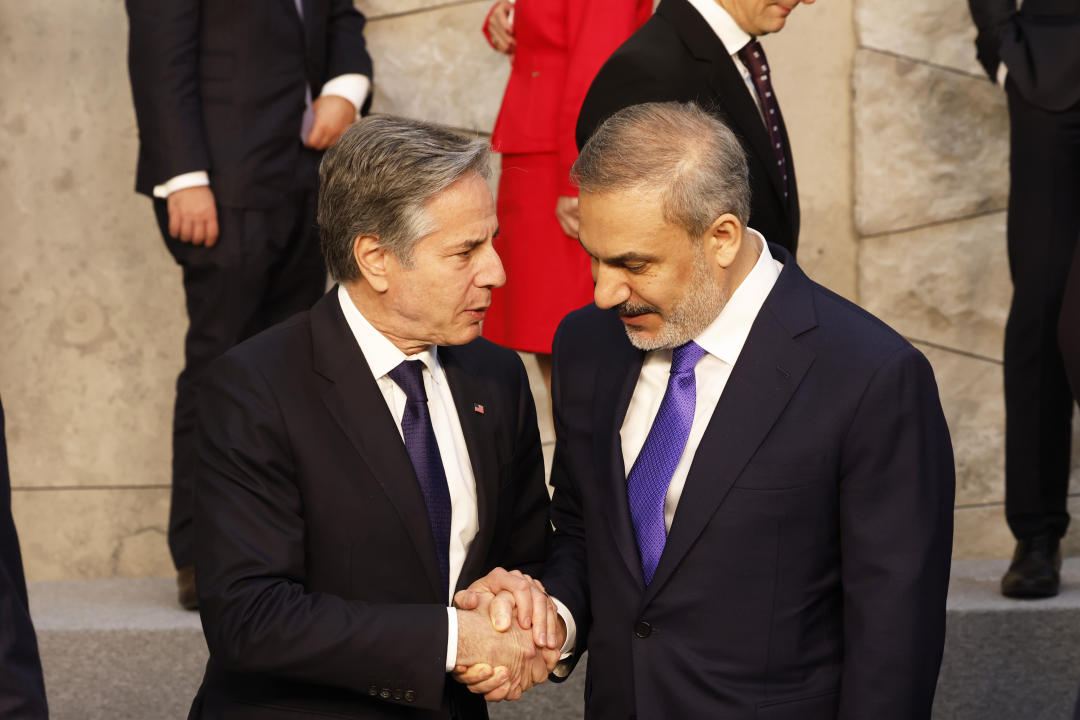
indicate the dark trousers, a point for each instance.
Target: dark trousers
{"x":1043,"y":228}
{"x":1069,"y":326}
{"x":265,"y":266}
{"x":22,"y":689}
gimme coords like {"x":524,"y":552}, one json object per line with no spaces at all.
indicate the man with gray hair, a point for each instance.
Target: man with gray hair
{"x":753,"y":476}
{"x":361,"y":461}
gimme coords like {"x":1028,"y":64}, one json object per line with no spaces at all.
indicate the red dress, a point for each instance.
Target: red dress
{"x":561,"y":45}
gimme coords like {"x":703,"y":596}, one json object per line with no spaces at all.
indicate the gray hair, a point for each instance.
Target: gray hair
{"x":377,"y":179}
{"x":678,"y":149}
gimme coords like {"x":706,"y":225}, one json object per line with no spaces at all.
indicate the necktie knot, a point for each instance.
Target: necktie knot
{"x":685,"y":358}
{"x":753,"y":57}
{"x":409,"y":377}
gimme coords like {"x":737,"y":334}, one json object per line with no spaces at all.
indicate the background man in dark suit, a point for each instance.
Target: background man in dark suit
{"x":1036,"y":53}
{"x":753,"y":477}
{"x":22,"y":690}
{"x":235,"y":100}
{"x":706,"y":51}
{"x":362,"y":460}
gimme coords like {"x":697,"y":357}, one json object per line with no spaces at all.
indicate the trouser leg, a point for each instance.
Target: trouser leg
{"x":265,"y":267}
{"x":1043,"y":226}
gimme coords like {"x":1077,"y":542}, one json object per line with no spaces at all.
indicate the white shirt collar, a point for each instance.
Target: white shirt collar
{"x":726,"y":335}
{"x":382,"y":355}
{"x":731,"y":35}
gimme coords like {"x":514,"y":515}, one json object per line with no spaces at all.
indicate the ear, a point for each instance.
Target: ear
{"x":724,"y":238}
{"x":372,"y":259}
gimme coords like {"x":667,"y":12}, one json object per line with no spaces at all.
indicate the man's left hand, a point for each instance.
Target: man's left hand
{"x":333,"y":114}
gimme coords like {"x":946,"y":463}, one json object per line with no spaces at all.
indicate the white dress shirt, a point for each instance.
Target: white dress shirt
{"x":733,"y":38}
{"x":354,"y":87}
{"x":722,"y":341}
{"x":383,"y":356}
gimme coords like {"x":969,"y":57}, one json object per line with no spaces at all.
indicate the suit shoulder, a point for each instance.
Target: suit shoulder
{"x":489,"y":358}
{"x":856,"y":333}
{"x":278,"y":348}
{"x":588,"y":327}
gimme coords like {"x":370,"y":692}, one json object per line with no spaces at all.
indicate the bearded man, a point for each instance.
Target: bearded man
{"x":753,"y":477}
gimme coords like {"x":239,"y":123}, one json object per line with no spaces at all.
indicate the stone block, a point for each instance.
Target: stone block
{"x":117,"y":649}
{"x":930,"y":144}
{"x":980,"y":531}
{"x":93,"y":533}
{"x":90,"y":307}
{"x":818,"y":42}
{"x":940,"y":33}
{"x":945,"y":284}
{"x":374,"y":9}
{"x":1008,"y":659}
{"x":435,"y":65}
{"x":971,"y":396}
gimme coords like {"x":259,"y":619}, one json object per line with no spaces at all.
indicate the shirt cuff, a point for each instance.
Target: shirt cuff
{"x":198,"y":178}
{"x":571,"y":629}
{"x":354,"y":87}
{"x":451,"y":638}
{"x":1001,"y":74}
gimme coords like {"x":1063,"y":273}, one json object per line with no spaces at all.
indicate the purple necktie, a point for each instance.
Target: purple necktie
{"x":427,"y":462}
{"x":753,"y":57}
{"x":648,"y":481}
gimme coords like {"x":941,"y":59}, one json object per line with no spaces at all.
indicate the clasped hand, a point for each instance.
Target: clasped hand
{"x":509,"y":635}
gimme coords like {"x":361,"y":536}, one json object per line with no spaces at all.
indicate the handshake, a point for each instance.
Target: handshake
{"x":509,"y":635}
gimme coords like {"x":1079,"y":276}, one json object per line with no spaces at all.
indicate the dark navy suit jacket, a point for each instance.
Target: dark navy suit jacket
{"x":1038,"y":43}
{"x":806,"y":570}
{"x":219,"y":86}
{"x":319,"y":584}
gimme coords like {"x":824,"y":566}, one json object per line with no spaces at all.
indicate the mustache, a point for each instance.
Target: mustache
{"x":626,"y":308}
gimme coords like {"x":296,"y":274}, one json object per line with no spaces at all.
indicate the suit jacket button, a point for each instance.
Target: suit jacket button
{"x":373,"y":690}
{"x":398,"y":694}
{"x":410,"y":696}
{"x":642,"y":629}
{"x":385,"y":693}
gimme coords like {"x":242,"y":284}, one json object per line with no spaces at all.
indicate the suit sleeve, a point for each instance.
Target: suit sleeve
{"x":992,"y":20}
{"x":163,"y":64}
{"x":346,"y":49}
{"x":566,"y":577}
{"x":530,"y":520}
{"x":596,"y":29}
{"x":22,"y":690}
{"x":257,"y":615}
{"x":897,"y":486}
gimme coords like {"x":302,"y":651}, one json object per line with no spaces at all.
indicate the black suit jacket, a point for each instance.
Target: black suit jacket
{"x":318,"y":583}
{"x":676,"y":56}
{"x":22,"y":690}
{"x":219,"y":86}
{"x":1039,"y":44}
{"x":806,"y":570}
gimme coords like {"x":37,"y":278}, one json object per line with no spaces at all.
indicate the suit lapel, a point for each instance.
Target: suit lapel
{"x":355,"y":402}
{"x":769,"y":370}
{"x":478,"y":429}
{"x":615,"y":386}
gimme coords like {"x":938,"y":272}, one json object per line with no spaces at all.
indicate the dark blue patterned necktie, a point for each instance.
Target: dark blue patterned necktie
{"x":753,"y":57}
{"x":427,"y":462}
{"x":648,"y":481}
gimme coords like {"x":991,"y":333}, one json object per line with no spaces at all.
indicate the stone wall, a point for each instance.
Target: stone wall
{"x":931,"y":184}
{"x":91,"y":308}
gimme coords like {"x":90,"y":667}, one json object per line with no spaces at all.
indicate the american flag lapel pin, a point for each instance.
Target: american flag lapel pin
{"x":478,"y":408}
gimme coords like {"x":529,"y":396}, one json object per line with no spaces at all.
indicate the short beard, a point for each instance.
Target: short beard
{"x":700,"y":304}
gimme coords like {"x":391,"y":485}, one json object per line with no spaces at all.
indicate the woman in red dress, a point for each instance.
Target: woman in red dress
{"x":556,"y":48}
